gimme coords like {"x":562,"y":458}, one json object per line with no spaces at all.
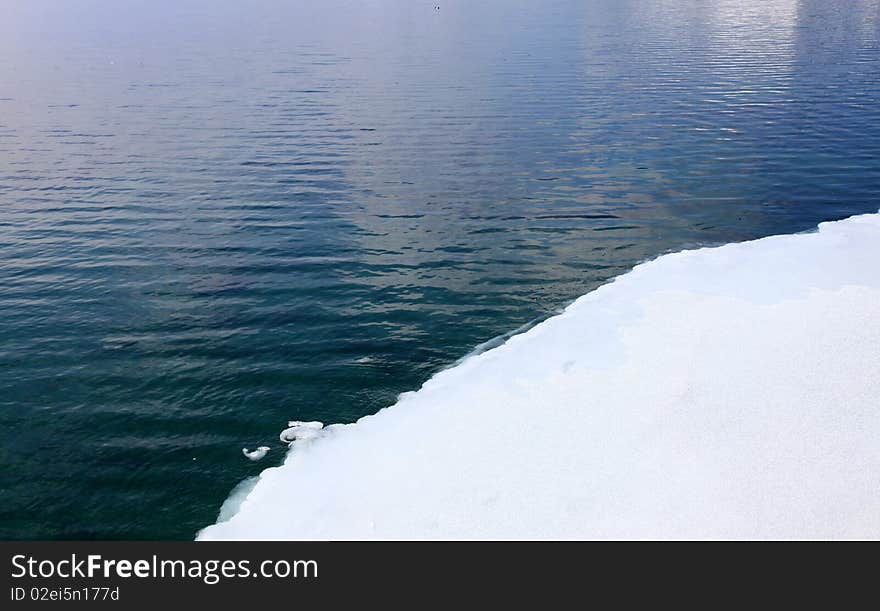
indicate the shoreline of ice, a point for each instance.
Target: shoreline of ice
{"x":727,"y":392}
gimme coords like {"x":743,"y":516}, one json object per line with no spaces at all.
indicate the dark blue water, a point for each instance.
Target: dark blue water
{"x":218,"y":216}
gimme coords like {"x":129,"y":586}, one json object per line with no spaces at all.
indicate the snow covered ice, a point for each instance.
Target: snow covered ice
{"x":729,"y":392}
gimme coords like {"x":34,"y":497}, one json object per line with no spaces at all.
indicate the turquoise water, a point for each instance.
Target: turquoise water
{"x":218,"y":216}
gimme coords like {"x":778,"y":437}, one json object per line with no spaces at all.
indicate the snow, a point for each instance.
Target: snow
{"x":729,"y":392}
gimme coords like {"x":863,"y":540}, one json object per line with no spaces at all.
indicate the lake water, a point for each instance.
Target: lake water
{"x":218,"y":216}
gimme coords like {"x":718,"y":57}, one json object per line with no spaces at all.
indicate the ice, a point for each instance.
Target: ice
{"x":729,"y":392}
{"x":257,"y":454}
{"x":300,"y":431}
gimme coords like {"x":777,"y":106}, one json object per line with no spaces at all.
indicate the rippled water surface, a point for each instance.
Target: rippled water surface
{"x":218,"y":216}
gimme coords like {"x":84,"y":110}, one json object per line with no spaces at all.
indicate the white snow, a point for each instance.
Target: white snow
{"x":729,"y":392}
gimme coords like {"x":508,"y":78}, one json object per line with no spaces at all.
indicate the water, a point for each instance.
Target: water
{"x":218,"y":216}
